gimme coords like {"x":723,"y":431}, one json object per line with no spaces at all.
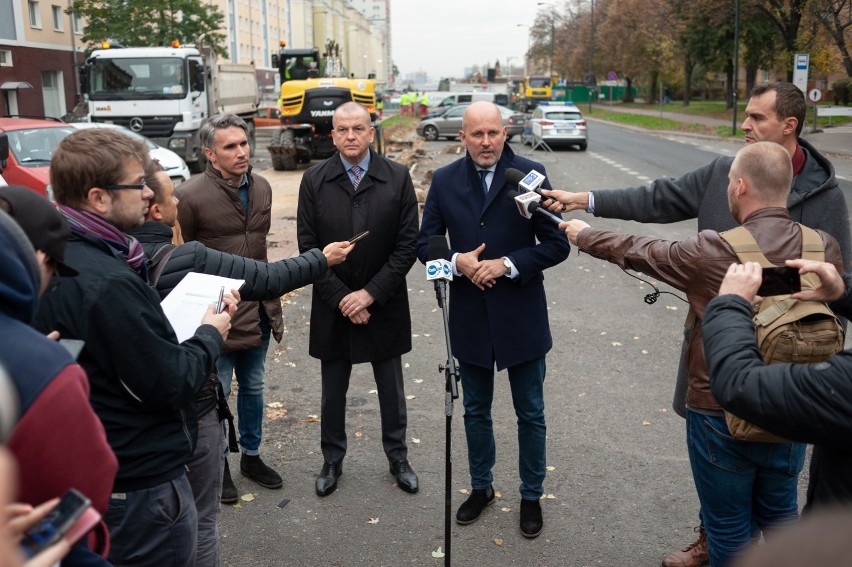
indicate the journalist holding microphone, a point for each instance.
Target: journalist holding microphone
{"x":498,"y":309}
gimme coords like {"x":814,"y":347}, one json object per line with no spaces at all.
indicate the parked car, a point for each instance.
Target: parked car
{"x":172,"y":163}
{"x":449,"y":123}
{"x":559,"y":124}
{"x":31,"y":144}
{"x":267,"y":116}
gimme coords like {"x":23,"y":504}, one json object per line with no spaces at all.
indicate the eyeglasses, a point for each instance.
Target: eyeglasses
{"x":139,"y":186}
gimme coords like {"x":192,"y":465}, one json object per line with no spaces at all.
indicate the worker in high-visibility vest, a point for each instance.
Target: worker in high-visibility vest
{"x":380,"y":105}
{"x":424,"y":104}
{"x":403,"y":104}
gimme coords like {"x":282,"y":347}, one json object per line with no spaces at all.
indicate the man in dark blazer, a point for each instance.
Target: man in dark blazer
{"x":498,"y":309}
{"x":359,"y":311}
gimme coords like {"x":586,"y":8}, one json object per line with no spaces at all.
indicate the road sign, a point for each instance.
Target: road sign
{"x":815,"y":95}
{"x":801,"y":63}
{"x":612,"y":75}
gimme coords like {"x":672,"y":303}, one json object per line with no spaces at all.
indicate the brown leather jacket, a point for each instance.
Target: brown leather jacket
{"x":210,"y":211}
{"x":697,"y":267}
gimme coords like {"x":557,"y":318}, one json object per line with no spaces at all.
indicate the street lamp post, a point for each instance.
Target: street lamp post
{"x":552,"y":32}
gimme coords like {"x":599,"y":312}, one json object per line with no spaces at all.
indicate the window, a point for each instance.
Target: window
{"x":57,"y":18}
{"x":5,"y":58}
{"x":35,"y":14}
{"x":78,"y":23}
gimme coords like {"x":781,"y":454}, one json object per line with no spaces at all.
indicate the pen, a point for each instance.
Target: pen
{"x":220,"y":305}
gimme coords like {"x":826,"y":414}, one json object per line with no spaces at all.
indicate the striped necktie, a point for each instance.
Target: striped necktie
{"x":356,"y":174}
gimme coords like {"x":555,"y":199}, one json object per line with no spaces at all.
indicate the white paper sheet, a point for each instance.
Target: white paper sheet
{"x":186,"y":304}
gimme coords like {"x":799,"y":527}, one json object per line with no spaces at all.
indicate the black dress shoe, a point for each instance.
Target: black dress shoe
{"x":474,"y":505}
{"x":229,"y":491}
{"x":327,"y":479}
{"x":531,"y":520}
{"x":252,"y":467}
{"x":405,"y":475}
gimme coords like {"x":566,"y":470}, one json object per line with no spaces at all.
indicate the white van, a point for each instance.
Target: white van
{"x":453,"y":99}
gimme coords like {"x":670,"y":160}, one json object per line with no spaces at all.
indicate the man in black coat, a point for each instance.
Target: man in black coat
{"x":809,"y":403}
{"x":359,"y":310}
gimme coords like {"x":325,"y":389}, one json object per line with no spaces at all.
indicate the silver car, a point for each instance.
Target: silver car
{"x":559,"y":124}
{"x":449,"y":123}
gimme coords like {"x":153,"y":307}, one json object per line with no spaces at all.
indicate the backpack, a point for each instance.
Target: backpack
{"x":787,"y":330}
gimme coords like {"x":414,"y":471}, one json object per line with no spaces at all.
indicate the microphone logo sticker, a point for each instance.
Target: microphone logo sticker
{"x":433,"y":270}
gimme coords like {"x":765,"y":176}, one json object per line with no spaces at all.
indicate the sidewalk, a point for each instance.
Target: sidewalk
{"x":835,"y":142}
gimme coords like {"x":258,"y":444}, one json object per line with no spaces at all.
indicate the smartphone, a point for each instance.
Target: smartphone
{"x":57,"y":522}
{"x":73,"y":346}
{"x":358,"y":237}
{"x":779,"y":281}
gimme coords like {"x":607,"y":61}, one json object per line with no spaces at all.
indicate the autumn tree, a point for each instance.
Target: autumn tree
{"x":836,"y":18}
{"x":151,"y":23}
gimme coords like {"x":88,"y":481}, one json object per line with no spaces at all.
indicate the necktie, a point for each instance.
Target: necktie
{"x":356,"y":173}
{"x":482,"y":174}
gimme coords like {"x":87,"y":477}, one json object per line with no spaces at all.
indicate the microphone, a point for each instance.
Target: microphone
{"x":531,"y":181}
{"x":528,"y":205}
{"x":439,"y":266}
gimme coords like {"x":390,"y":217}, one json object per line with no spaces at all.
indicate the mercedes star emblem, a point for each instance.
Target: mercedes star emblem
{"x":136,"y":124}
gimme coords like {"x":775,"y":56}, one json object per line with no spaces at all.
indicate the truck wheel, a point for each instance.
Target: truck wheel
{"x":282,"y":150}
{"x":199,"y":165}
{"x":430,"y":133}
{"x":283,"y":162}
{"x":379,"y":140}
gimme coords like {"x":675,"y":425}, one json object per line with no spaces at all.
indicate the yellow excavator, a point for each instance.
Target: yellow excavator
{"x":312,"y":87}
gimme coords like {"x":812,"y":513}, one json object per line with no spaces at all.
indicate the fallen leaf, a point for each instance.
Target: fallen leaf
{"x":643,"y":351}
{"x":410,"y":397}
{"x":635,"y":338}
{"x":603,"y":333}
{"x":359,"y":434}
{"x":275,"y":405}
{"x":373,"y":521}
{"x":464,"y":490}
{"x":551,"y":468}
{"x":662,"y":410}
{"x":237,"y":505}
{"x":276,"y":414}
{"x":415,"y":336}
{"x":574,"y":331}
{"x":505,"y":509}
{"x":550,"y":497}
{"x":498,"y":495}
{"x":406,"y":365}
{"x":418,"y":381}
{"x":438,"y":553}
{"x":426,"y":335}
{"x":373,"y":392}
{"x":415,"y":440}
{"x":616,"y":343}
{"x":646,"y":423}
{"x":498,"y":541}
{"x":311,"y":419}
{"x":671,"y":307}
{"x":247,"y":497}
{"x":581,"y":395}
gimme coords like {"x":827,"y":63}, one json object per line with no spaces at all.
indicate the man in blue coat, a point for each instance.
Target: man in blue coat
{"x":498,"y":308}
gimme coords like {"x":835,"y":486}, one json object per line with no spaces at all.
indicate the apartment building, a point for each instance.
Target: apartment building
{"x":40,"y":51}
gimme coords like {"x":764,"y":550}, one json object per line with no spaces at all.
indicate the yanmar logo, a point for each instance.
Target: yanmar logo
{"x":105,"y":108}
{"x":318,"y":113}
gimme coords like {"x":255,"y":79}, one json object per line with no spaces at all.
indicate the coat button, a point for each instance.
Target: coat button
{"x":356,"y":204}
{"x":482,"y":225}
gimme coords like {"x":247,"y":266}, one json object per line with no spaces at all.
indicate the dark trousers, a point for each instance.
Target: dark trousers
{"x":155,"y":526}
{"x":335,"y":383}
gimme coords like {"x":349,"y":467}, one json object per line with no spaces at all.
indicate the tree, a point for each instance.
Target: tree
{"x":836,"y":17}
{"x":786,"y":16}
{"x":152,"y":23}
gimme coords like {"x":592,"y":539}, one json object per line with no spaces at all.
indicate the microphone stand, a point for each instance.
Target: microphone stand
{"x":451,"y":374}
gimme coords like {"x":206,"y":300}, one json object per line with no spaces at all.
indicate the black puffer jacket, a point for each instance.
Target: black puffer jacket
{"x":810,"y":403}
{"x":263,"y":281}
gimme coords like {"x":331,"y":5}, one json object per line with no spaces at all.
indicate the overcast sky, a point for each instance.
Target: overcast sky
{"x":443,"y":37}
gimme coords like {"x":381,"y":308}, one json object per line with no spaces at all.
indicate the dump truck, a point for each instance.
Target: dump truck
{"x":166,"y":93}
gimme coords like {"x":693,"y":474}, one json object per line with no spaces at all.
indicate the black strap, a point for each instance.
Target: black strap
{"x":158,"y":262}
{"x":225,"y":413}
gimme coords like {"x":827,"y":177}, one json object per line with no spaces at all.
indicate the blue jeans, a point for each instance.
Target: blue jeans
{"x":527,"y":384}
{"x":249,"y":367}
{"x":741,"y":485}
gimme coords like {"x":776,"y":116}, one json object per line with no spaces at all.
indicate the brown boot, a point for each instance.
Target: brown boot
{"x":694,"y":555}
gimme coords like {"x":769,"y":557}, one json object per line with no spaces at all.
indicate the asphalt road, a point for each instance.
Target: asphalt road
{"x":618,"y":491}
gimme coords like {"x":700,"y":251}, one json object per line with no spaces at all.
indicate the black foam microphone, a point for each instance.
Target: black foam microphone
{"x":531,"y":181}
{"x":439,"y":266}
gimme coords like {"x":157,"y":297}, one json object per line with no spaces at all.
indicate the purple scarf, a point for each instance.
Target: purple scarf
{"x":91,"y":224}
